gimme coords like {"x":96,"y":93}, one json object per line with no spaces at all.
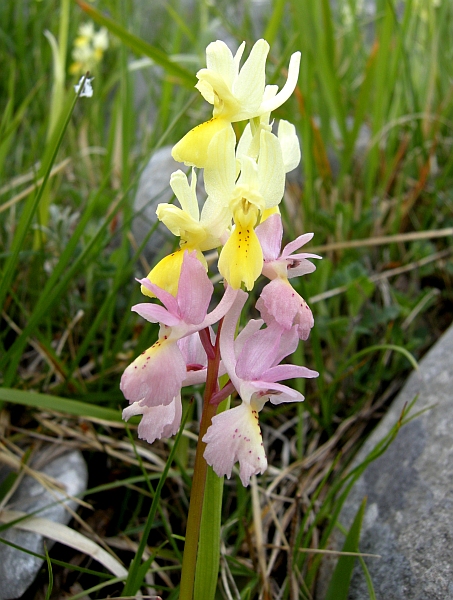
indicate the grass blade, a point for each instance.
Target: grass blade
{"x":48,"y":402}
{"x":134,"y":579}
{"x":341,"y":578}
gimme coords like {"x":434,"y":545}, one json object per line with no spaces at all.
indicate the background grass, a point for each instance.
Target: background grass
{"x":374,"y":111}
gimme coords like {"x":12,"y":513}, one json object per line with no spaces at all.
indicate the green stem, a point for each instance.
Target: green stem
{"x":189,"y":560}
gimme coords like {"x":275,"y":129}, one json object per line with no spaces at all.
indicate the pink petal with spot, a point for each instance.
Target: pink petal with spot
{"x":235,"y":435}
{"x":156,"y":376}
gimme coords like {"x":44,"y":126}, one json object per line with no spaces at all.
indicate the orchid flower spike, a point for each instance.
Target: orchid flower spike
{"x":236,"y":95}
{"x":252,"y":363}
{"x":156,"y":376}
{"x":279,"y":302}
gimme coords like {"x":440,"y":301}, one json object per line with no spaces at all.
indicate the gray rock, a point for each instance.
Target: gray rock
{"x":409,"y":514}
{"x":18,"y":569}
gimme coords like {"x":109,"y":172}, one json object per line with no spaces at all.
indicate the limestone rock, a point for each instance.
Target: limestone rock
{"x":18,"y":569}
{"x":408,"y":519}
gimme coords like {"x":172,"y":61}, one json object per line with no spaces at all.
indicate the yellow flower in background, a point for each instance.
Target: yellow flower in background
{"x":89,"y":48}
{"x":236,"y":95}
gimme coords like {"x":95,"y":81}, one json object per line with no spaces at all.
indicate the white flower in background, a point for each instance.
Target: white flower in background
{"x":87,"y":89}
{"x":347,"y":14}
{"x":89,"y":48}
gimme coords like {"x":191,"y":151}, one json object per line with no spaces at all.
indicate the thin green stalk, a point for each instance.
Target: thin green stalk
{"x":189,"y":561}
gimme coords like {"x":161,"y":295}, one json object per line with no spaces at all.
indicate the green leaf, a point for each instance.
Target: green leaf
{"x":71,"y":407}
{"x":341,"y":578}
{"x":32,"y":204}
{"x":49,"y":566}
{"x":208,"y":557}
{"x":275,"y":21}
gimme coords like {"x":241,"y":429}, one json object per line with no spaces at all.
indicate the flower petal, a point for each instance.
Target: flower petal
{"x":165,"y":276}
{"x":220,"y":59}
{"x":192,"y":149}
{"x":235,"y":435}
{"x":154,"y":313}
{"x":271,"y":170}
{"x":227,"y":342}
{"x":194,"y":290}
{"x":222,"y":307}
{"x":155,"y":377}
{"x":220,"y":166}
{"x":186,"y":194}
{"x":158,"y":421}
{"x":289,"y":143}
{"x":254,"y":391}
{"x":280,"y":302}
{"x":296,"y":244}
{"x":252,"y":327}
{"x":241,"y":259}
{"x":248,"y":88}
{"x":270,"y":235}
{"x":258,"y":353}
{"x":282,"y":372}
{"x":293,"y":74}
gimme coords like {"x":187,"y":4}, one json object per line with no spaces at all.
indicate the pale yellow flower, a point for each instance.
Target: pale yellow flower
{"x":199,"y":232}
{"x":259,"y":188}
{"x":236,"y":95}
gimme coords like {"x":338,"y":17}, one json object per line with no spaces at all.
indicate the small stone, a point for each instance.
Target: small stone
{"x":18,"y":569}
{"x":408,"y":519}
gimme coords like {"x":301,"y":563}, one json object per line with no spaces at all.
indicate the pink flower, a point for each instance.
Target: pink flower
{"x":284,"y":264}
{"x":279,"y":302}
{"x":158,"y":421}
{"x":252,"y":363}
{"x":164,"y":420}
{"x":155,"y":378}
